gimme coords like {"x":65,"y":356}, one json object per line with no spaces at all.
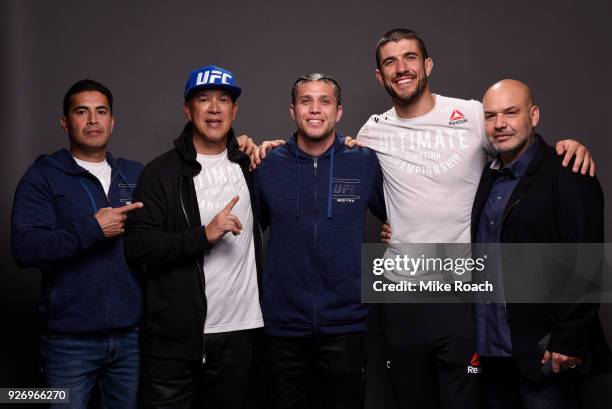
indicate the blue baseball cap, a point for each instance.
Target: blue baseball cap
{"x":211,"y":77}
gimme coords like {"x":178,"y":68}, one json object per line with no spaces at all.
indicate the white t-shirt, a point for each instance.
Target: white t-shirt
{"x":431,"y":166}
{"x":229,"y":267}
{"x":101,"y":170}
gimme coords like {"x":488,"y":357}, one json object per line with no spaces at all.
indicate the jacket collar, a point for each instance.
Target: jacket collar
{"x":518,"y":168}
{"x":338,"y":146}
{"x":488,"y":179}
{"x":64,"y":161}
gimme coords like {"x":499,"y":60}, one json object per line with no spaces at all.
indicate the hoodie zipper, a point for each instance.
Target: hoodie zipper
{"x":99,"y":184}
{"x":198,"y":266}
{"x":109,"y":204}
{"x":315,"y":163}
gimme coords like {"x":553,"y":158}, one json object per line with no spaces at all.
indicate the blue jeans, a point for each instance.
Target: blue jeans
{"x":78,"y":362}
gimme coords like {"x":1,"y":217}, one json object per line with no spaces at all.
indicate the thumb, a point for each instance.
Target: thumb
{"x":104,"y":209}
{"x":560,"y":148}
{"x":546,"y":357}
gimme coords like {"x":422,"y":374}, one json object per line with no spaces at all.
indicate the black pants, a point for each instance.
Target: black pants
{"x":431,"y":355}
{"x":505,"y":388}
{"x":326,"y":371}
{"x":224,"y":381}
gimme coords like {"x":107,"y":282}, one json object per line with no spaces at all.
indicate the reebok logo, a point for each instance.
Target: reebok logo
{"x":457,"y":118}
{"x":474,"y":366}
{"x":456,"y":115}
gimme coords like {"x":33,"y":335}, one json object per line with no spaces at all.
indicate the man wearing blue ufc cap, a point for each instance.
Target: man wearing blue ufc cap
{"x":202,"y":312}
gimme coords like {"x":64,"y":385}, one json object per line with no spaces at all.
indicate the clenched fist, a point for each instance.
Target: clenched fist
{"x":112,"y":219}
{"x":223,"y":222}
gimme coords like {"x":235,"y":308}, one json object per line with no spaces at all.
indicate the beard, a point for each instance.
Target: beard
{"x":407,"y":99}
{"x":513,"y":150}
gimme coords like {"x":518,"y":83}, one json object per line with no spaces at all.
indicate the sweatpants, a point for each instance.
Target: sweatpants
{"x":324,"y":371}
{"x":431,"y":357}
{"x":225,"y":381}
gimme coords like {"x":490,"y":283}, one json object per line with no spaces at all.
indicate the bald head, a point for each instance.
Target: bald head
{"x":510,"y":118}
{"x":516,"y":88}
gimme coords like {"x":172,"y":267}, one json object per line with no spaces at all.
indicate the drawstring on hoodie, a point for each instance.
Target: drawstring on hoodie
{"x":329,"y":186}
{"x":87,"y":190}
{"x":91,"y":199}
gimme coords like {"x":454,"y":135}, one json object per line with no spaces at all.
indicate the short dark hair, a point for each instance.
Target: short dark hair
{"x":316,"y":76}
{"x":83,"y":86}
{"x":396,"y":35}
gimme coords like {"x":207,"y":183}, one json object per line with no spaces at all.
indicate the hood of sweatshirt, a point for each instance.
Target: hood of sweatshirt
{"x":335,"y":149}
{"x":63,"y":161}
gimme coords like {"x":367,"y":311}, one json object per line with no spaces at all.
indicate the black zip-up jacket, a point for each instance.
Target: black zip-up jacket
{"x":550,"y":204}
{"x":167,"y":239}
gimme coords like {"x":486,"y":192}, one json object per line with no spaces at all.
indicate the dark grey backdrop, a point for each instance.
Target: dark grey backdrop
{"x":144,"y":50}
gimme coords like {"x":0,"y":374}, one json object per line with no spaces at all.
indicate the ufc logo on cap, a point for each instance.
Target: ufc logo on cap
{"x":212,"y":77}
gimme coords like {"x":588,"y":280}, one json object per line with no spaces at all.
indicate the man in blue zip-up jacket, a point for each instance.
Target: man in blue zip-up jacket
{"x":314,"y":194}
{"x":68,"y":218}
